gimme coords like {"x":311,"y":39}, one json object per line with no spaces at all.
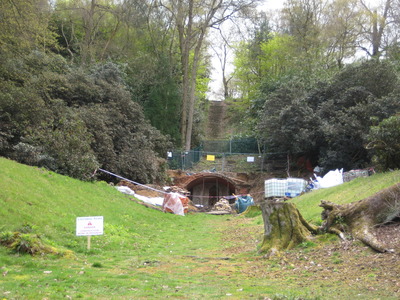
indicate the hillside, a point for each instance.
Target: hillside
{"x":217,"y":124}
{"x":146,"y":254}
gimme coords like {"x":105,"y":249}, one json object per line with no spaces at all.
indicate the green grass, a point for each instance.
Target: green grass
{"x":347,"y":192}
{"x":144,"y":253}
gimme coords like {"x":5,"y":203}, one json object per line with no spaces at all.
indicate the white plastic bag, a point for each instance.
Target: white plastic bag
{"x":332,"y":178}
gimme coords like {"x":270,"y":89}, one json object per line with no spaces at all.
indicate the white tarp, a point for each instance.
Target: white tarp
{"x":332,"y":178}
{"x":125,"y":190}
{"x":150,"y":200}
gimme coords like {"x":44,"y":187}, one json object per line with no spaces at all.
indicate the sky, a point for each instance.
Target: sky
{"x":216,"y":76}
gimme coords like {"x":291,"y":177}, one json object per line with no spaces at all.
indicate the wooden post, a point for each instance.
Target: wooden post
{"x":88,"y":241}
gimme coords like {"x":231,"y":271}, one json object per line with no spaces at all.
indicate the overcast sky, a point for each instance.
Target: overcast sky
{"x":216,"y":75}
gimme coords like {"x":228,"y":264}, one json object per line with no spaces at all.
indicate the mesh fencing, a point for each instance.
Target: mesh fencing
{"x":234,"y":155}
{"x":242,"y":145}
{"x":217,"y":161}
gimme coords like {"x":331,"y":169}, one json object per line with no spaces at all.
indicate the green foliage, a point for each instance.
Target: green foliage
{"x":250,"y":64}
{"x":384,"y":141}
{"x":72,"y":120}
{"x":285,"y":112}
{"x":153,"y":83}
{"x":252,"y":211}
{"x":25,"y":26}
{"x":26,"y":243}
{"x":7,"y":237}
{"x":329,"y":122}
{"x":97,"y":265}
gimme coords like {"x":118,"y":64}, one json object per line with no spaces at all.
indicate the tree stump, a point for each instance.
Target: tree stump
{"x":284,"y":227}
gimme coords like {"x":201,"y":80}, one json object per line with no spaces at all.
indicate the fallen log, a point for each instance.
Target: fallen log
{"x":358,"y":219}
{"x":285,"y":227}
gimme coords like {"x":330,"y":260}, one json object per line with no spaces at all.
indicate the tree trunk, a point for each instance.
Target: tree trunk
{"x":86,"y":51}
{"x":358,"y":219}
{"x":284,"y":227}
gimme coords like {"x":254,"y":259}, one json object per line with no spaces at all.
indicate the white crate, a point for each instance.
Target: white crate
{"x":295,"y":186}
{"x":290,"y":187}
{"x":275,"y":187}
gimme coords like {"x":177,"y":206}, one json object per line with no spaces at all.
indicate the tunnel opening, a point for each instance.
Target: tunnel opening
{"x":206,"y":190}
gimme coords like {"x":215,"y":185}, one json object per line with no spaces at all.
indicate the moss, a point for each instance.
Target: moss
{"x":252,"y":211}
{"x":29,"y":243}
{"x":283,"y":226}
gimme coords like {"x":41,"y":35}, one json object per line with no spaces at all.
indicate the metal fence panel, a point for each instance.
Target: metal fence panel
{"x":243,"y":145}
{"x":216,"y":161}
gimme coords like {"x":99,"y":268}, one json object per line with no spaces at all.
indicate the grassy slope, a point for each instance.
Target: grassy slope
{"x":145,"y":253}
{"x":50,"y":204}
{"x":347,"y":192}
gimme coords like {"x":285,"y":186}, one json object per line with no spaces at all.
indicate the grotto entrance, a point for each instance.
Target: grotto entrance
{"x":207,"y":188}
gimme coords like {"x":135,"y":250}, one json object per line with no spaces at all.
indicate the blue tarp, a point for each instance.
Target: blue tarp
{"x":243,"y":202}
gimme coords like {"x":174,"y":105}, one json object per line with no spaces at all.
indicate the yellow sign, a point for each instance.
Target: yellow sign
{"x":211,"y":157}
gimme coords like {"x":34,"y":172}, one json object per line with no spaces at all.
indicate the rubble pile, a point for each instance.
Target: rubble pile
{"x":176,"y":189}
{"x":222,"y":205}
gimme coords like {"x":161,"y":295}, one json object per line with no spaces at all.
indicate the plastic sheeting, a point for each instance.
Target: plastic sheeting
{"x":172,"y":202}
{"x":243,"y":202}
{"x":125,"y":190}
{"x":332,"y":178}
{"x":158,"y":201}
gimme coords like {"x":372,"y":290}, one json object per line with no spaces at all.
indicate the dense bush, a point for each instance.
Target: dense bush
{"x":384,"y":141}
{"x":73,"y":120}
{"x":329,"y":124}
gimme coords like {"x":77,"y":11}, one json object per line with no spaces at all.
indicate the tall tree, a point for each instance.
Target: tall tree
{"x":25,"y":26}
{"x":341,"y":30}
{"x":192,"y":20}
{"x":222,"y":48}
{"x":377,"y":32}
{"x":303,"y":20}
{"x":89,"y":27}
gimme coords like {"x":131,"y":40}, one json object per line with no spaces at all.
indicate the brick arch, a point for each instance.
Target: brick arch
{"x":208,"y":188}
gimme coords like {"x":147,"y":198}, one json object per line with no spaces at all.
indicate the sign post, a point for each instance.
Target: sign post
{"x":88,"y":226}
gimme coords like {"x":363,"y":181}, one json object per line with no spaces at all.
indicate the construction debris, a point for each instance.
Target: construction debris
{"x":222,"y":205}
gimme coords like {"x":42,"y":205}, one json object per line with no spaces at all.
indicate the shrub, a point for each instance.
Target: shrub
{"x":384,"y":142}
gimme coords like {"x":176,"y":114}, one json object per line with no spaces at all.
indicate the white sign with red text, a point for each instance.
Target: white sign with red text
{"x":89,"y":226}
